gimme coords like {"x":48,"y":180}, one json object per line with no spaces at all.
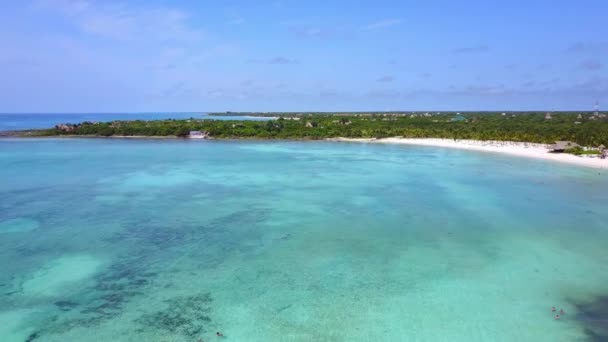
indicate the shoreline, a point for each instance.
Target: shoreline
{"x":520,"y":149}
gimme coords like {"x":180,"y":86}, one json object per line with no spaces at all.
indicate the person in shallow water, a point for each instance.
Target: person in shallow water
{"x":556,"y":316}
{"x":553,"y":309}
{"x":219,"y":334}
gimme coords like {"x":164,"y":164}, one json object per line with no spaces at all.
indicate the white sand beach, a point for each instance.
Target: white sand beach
{"x":521,"y":149}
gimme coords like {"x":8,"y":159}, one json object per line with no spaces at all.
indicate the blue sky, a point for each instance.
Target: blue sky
{"x":282,"y":55}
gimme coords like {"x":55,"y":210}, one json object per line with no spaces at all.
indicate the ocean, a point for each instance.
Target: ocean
{"x":176,"y":240}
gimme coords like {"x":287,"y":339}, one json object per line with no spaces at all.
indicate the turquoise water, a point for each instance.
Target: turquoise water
{"x":13,"y":122}
{"x":142,"y":240}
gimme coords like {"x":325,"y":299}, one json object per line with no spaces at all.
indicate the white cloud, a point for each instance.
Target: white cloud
{"x":382,"y":24}
{"x":125,"y":23}
{"x":70,"y":7}
{"x":128,"y":53}
{"x":471,"y":49}
{"x":385,"y":79}
{"x":236,"y":20}
{"x":276,"y":60}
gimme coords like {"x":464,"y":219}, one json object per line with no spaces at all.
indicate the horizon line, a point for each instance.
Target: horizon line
{"x":305,"y":111}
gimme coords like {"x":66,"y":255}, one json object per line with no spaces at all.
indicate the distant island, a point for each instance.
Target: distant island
{"x":584,"y":128}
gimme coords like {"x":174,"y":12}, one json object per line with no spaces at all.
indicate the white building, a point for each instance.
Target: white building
{"x":198,"y":135}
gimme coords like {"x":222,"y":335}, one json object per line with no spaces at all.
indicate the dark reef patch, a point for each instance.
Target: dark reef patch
{"x":187,"y":315}
{"x":65,"y":305}
{"x":33,"y":336}
{"x":157,"y":236}
{"x":113,"y":289}
{"x":33,"y":249}
{"x":118,"y":285}
{"x":242,"y":218}
{"x":146,"y":244}
{"x":594,"y":317}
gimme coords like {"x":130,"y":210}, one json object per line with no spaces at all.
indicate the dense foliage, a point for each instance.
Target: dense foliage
{"x":586,"y":129}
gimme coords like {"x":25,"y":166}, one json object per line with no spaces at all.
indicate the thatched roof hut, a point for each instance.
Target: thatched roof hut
{"x":561,"y":146}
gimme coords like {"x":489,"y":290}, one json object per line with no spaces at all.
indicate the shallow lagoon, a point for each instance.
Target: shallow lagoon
{"x":296,"y":241}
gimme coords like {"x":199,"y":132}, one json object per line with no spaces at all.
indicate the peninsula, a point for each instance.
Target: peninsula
{"x":527,"y":134}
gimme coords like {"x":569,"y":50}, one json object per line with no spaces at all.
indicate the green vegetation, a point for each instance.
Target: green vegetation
{"x":586,"y":129}
{"x":578,"y":151}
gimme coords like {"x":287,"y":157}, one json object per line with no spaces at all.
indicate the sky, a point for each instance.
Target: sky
{"x":282,"y":55}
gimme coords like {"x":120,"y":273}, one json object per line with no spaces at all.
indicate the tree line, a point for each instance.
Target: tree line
{"x":587,"y":129}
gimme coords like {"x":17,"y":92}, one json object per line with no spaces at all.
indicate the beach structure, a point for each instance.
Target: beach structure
{"x":561,"y":146}
{"x":198,"y":135}
{"x":65,"y":127}
{"x":603,"y":151}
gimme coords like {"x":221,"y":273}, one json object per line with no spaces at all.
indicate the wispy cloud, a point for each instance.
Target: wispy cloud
{"x":590,"y":65}
{"x":587,"y":47}
{"x":329,"y":93}
{"x":234,"y":17}
{"x":275,"y":60}
{"x":483,"y":89}
{"x":124,"y":22}
{"x":577,"y":47}
{"x":174,"y":89}
{"x":246,"y":83}
{"x":21,"y":62}
{"x":384,"y":93}
{"x":528,"y":84}
{"x":158,"y":38}
{"x":471,"y":49}
{"x":236,"y":21}
{"x":282,"y":60}
{"x":385,"y":79}
{"x":594,"y":85}
{"x":163,"y":66}
{"x":71,"y":7}
{"x":381,"y":24}
{"x":313,"y":32}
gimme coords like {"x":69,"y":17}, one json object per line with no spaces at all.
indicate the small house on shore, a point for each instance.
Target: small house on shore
{"x":561,"y":146}
{"x":198,"y":135}
{"x":65,"y":127}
